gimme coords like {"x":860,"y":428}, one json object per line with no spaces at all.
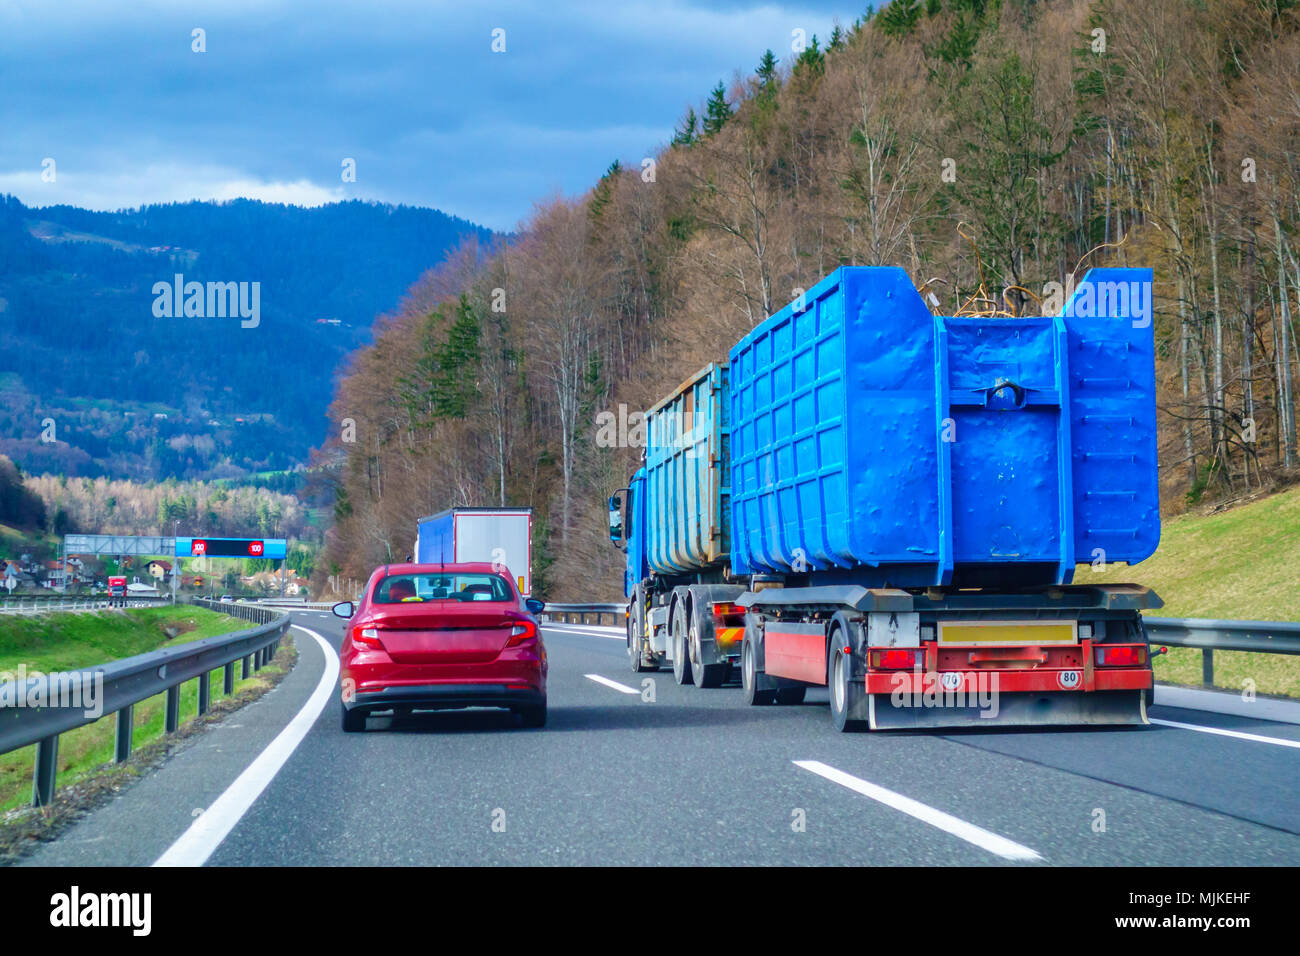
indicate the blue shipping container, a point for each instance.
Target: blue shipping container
{"x":873,"y":442}
{"x":685,"y":478}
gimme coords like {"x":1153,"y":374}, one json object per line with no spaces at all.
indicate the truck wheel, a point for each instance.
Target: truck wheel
{"x":635,"y":632}
{"x":706,"y":675}
{"x":845,"y":693}
{"x":677,"y":629}
{"x":749,"y":675}
{"x":789,"y":696}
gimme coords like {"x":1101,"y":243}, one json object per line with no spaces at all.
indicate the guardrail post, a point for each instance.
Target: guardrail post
{"x":257,"y":660}
{"x":247,"y":663}
{"x":122,"y":738}
{"x":173,"y":719}
{"x":205,"y":691}
{"x":1207,"y":667}
{"x":47,"y":764}
{"x":228,"y":679}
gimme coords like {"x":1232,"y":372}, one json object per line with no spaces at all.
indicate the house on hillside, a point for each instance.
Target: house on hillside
{"x":159,"y":570}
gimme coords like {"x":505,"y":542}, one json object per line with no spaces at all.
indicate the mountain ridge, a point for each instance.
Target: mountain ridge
{"x":97,"y":380}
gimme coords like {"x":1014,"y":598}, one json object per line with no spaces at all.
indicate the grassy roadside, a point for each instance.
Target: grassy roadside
{"x":1242,"y":563}
{"x":69,"y":641}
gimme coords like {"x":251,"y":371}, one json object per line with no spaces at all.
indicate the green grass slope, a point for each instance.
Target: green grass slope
{"x":68,"y":641}
{"x":1242,"y":563}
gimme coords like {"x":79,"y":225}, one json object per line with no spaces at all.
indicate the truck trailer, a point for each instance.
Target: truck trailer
{"x":501,"y":536}
{"x":893,"y":505}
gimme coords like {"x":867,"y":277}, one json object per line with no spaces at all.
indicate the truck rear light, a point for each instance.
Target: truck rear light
{"x":1121,"y":655}
{"x":896,"y":658}
{"x":727,"y":609}
{"x":366,"y":637}
{"x":523,"y":631}
{"x":1085,"y":631}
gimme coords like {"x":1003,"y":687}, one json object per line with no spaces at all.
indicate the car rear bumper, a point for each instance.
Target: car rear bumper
{"x":446,"y":696}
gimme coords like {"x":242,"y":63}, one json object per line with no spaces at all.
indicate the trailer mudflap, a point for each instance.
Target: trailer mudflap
{"x":1049,"y":709}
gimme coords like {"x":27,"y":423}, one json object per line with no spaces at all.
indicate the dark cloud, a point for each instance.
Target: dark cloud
{"x":411,"y":90}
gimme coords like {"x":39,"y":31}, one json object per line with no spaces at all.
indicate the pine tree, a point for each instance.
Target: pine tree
{"x":766,"y":72}
{"x":717,"y":111}
{"x":690,"y":131}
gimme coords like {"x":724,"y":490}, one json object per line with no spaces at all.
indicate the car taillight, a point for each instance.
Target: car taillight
{"x":366,"y":637}
{"x":522,"y":631}
{"x":896,"y":658}
{"x":1121,"y":655}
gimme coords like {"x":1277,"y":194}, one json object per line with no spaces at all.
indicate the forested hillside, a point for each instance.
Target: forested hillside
{"x":93,"y":381}
{"x":119,"y":506}
{"x":988,"y":148}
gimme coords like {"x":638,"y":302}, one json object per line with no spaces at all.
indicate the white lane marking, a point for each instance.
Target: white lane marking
{"x":614,"y":634}
{"x":206,"y":833}
{"x":612,"y":683}
{"x":1241,"y":735}
{"x":969,"y":832}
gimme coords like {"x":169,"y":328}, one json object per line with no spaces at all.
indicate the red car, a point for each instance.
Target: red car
{"x":441,"y":636}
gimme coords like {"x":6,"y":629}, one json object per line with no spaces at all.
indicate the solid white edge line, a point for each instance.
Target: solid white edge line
{"x":615,"y":634}
{"x":612,"y":683}
{"x":969,"y":832}
{"x":1224,"y":732}
{"x":206,"y":833}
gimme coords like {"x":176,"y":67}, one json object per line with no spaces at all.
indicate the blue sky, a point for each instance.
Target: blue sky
{"x":112,"y":92}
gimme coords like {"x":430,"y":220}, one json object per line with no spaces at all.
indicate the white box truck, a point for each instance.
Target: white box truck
{"x":502,"y":536}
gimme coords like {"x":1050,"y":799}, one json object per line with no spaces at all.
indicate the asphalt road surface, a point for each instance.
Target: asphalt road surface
{"x":632,"y":769}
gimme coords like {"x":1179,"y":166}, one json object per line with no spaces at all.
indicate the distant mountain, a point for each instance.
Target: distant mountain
{"x":111,"y":365}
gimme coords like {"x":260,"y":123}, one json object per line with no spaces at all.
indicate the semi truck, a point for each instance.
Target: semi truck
{"x":117,"y":590}
{"x":501,"y":536}
{"x":896,"y":506}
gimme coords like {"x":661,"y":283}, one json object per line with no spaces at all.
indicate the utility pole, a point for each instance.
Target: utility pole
{"x":176,"y":561}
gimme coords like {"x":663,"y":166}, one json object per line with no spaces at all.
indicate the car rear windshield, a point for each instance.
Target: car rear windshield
{"x":403,"y":588}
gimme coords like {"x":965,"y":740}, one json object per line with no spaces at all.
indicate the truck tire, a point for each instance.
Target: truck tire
{"x":636,"y":632}
{"x":751,"y":677}
{"x":846,"y":694}
{"x":677,"y":634}
{"x":705,"y":674}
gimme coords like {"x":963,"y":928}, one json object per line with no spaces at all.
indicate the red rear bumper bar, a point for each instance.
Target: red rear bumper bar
{"x":1011,"y":680}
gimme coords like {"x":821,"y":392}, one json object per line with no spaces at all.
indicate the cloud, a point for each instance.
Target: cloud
{"x":121,"y":189}
{"x":408,"y":88}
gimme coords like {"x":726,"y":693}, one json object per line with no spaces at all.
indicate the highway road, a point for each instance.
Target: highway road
{"x":690,"y":777}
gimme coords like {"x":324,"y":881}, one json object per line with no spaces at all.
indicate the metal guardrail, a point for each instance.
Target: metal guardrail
{"x":616,"y":612}
{"x":33,"y":604}
{"x":120,"y":685}
{"x":290,"y":605}
{"x":1210,"y":635}
{"x":1205,"y":634}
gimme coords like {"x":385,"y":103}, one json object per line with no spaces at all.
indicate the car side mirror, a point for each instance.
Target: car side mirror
{"x":534,"y":606}
{"x":344,"y":609}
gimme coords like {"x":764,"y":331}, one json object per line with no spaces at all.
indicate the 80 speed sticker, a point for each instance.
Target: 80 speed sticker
{"x":1069,"y":680}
